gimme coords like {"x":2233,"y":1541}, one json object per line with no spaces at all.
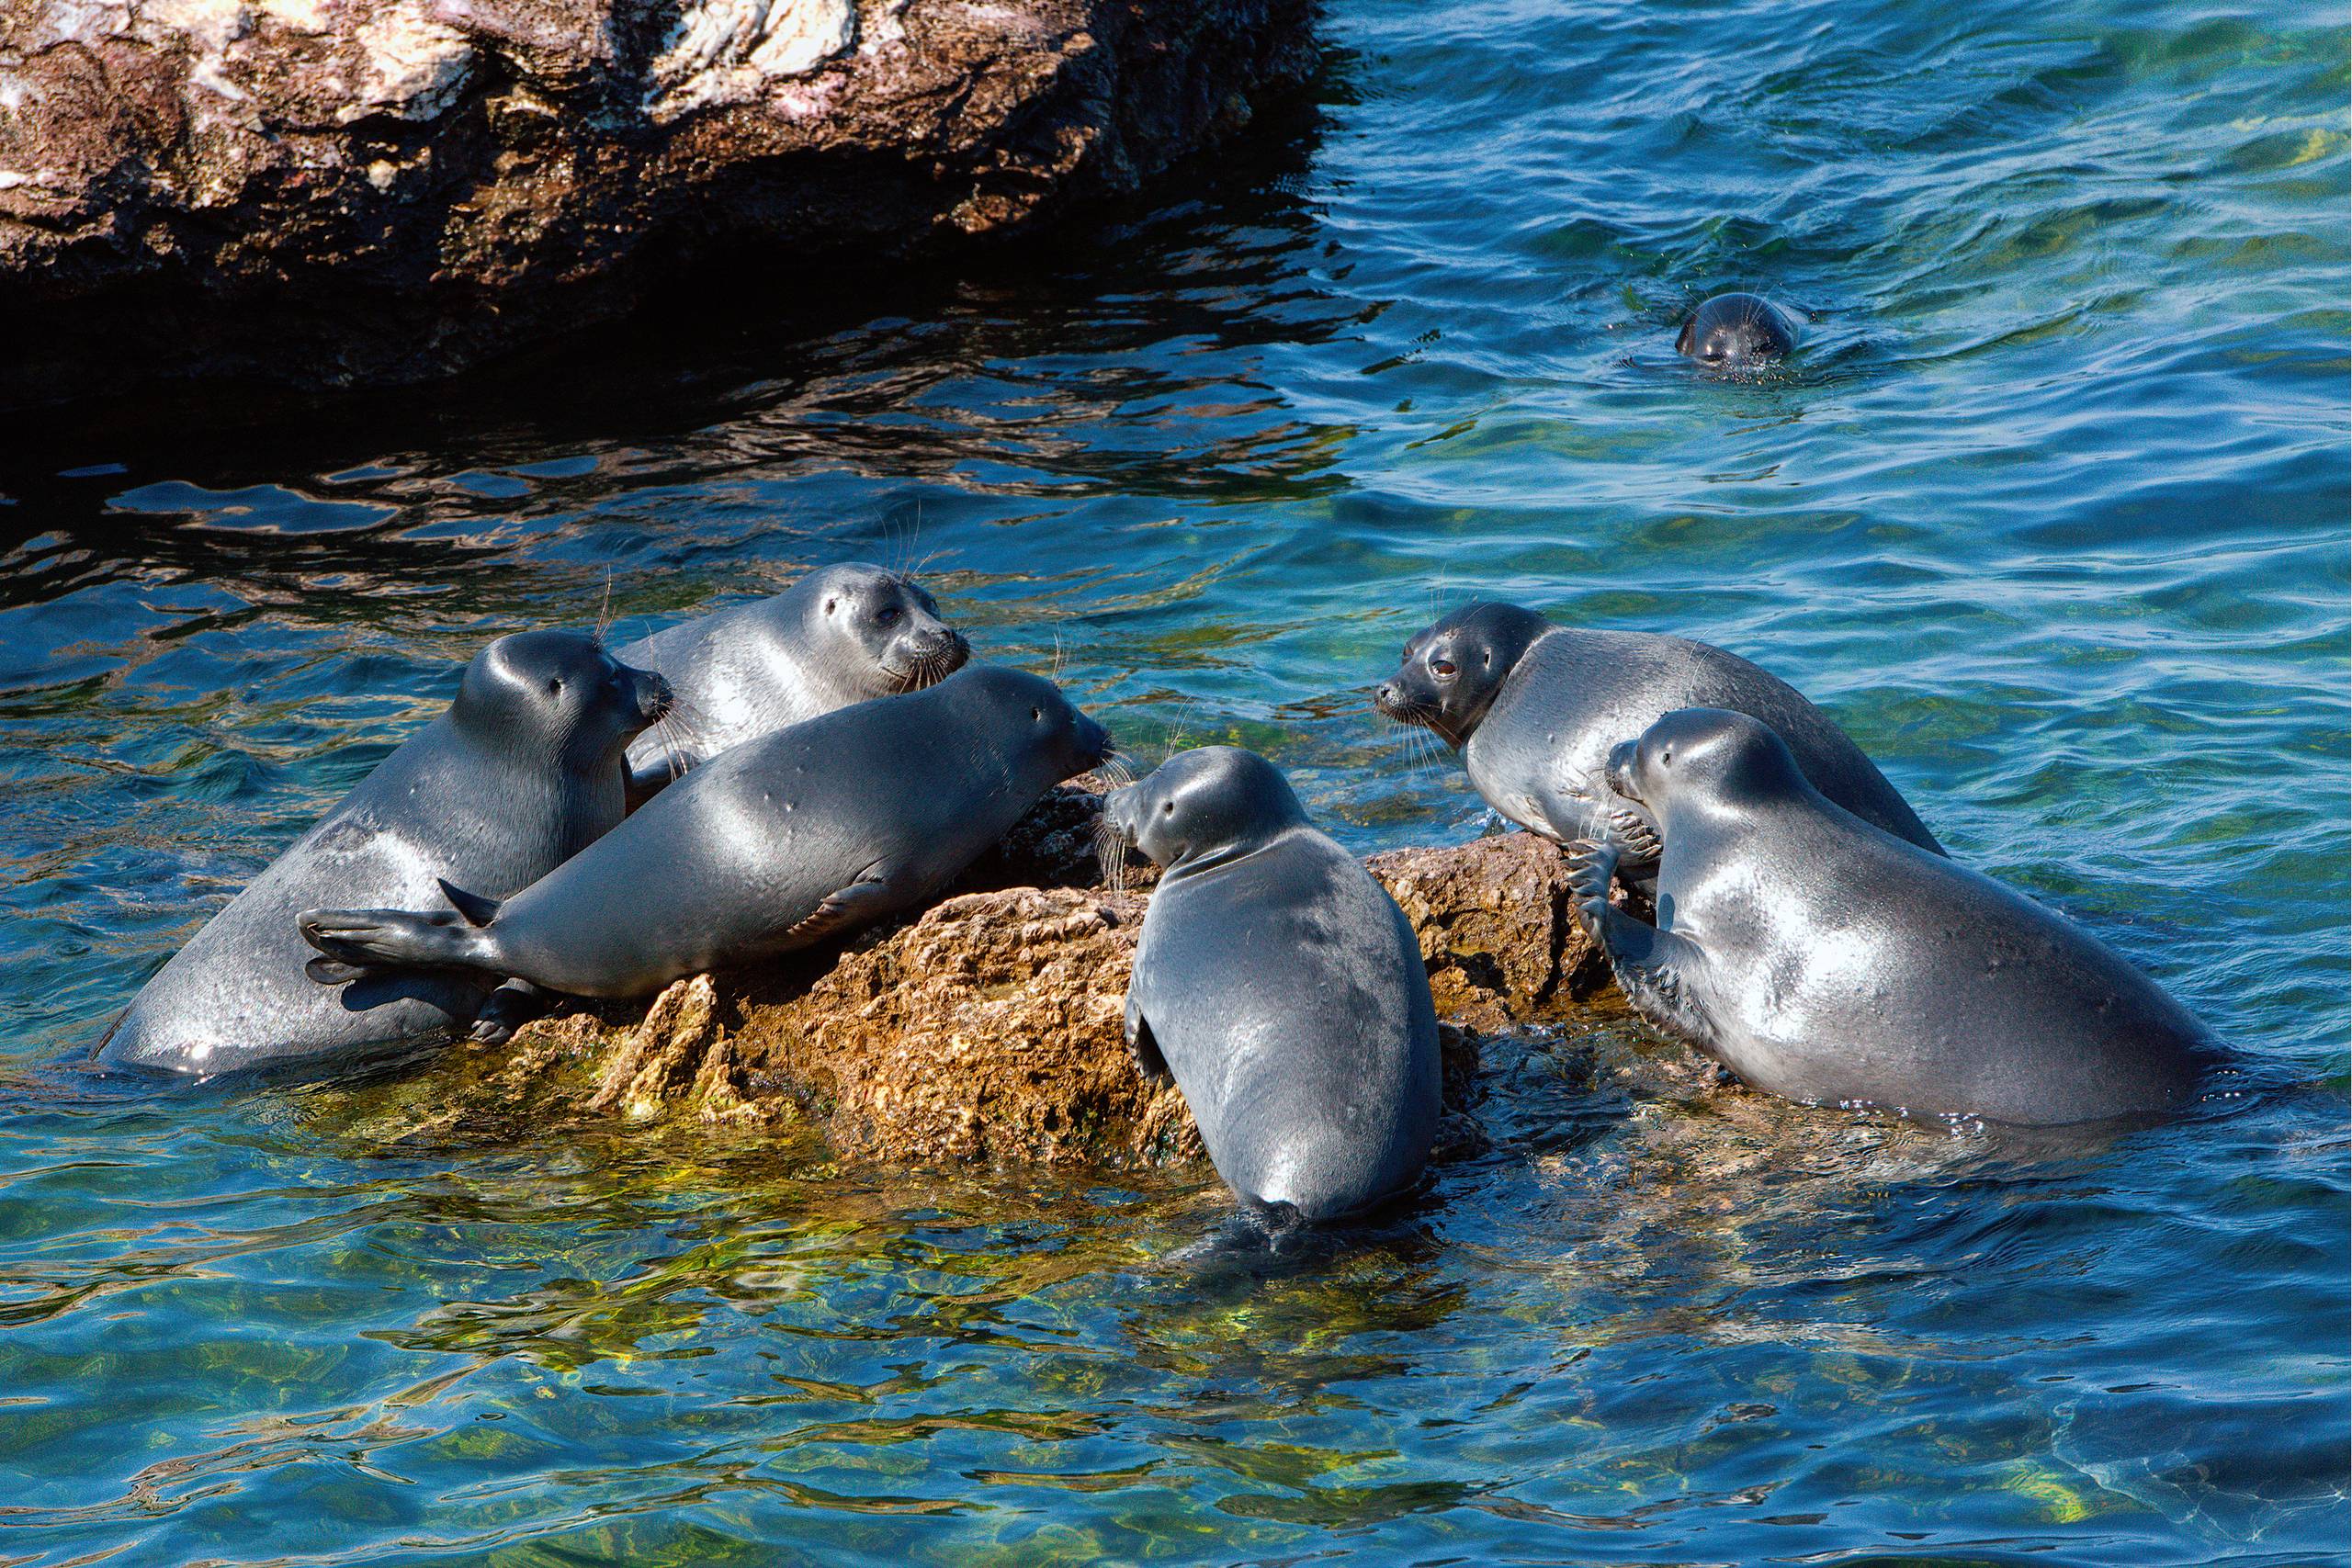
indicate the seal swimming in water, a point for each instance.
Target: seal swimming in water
{"x":1823,"y":959}
{"x":1283,"y":990}
{"x":1737,"y":332}
{"x":843,"y":633}
{"x":521,"y":772}
{"x":1534,"y":708}
{"x":806,"y":833}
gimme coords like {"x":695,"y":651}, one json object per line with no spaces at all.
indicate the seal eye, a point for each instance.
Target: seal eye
{"x":887,"y":613}
{"x":1442,"y":667}
{"x":829,"y":605}
{"x":555,"y":687}
{"x":1167,"y":808}
{"x":1037,"y":714}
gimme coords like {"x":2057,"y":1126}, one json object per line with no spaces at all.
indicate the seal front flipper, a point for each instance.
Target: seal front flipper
{"x":861,"y":903}
{"x":642,"y":783}
{"x":513,"y":1004}
{"x":1649,"y":963}
{"x":1143,"y":1047}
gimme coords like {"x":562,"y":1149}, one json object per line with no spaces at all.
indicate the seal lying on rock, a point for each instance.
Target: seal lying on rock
{"x":1282,"y":989}
{"x":1823,"y":959}
{"x":522,"y":772}
{"x":807,"y":833}
{"x":843,"y":633}
{"x":1534,"y":708}
{"x":1737,"y":332}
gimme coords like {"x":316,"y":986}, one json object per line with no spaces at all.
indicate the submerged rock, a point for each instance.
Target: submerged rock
{"x":990,"y":1026}
{"x":327,"y":192}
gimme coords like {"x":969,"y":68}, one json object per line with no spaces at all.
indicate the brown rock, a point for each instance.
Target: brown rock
{"x":990,"y":1026}
{"x":338,"y":191}
{"x":1494,"y":927}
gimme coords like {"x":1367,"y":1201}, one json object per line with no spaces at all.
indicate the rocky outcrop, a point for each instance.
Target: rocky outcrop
{"x":339,"y":191}
{"x":990,"y":1026}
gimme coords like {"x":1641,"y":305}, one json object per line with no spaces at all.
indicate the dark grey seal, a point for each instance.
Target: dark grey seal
{"x":843,"y":633}
{"x":1823,"y":959}
{"x":806,"y":833}
{"x":1281,"y":987}
{"x":1737,"y":332}
{"x":1535,"y":707}
{"x":522,"y":772}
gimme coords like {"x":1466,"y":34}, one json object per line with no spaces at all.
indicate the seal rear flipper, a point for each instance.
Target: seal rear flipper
{"x":477,"y":909}
{"x":391,"y":939}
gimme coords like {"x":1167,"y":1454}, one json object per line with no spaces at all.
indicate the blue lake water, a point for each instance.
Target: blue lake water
{"x":2050,"y":514}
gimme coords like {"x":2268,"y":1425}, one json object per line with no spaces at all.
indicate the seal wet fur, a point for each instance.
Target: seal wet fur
{"x":843,"y":633}
{"x":1823,"y":959}
{"x":522,"y":772}
{"x":809,"y":833}
{"x":1283,"y":990}
{"x":1535,"y":709}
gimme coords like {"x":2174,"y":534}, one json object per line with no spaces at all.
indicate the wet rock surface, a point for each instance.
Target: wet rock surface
{"x":989,"y":1027}
{"x":331,"y":192}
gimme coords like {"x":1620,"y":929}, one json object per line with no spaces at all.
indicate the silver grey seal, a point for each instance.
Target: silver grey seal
{"x":843,"y":633}
{"x":1823,"y":959}
{"x":1535,"y":707}
{"x":807,"y":833}
{"x":522,"y":772}
{"x":1282,"y":989}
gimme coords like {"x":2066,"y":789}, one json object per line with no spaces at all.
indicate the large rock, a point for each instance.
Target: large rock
{"x":989,"y":1027}
{"x":331,"y":191}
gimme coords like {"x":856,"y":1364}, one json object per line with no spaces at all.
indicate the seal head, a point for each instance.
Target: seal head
{"x":843,"y":633}
{"x":885,"y":629}
{"x":1453,"y":671}
{"x":1737,"y":332}
{"x":1704,"y":760}
{"x":560,"y":695}
{"x":1204,"y":806}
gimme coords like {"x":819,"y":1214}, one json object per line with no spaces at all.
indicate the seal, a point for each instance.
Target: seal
{"x":1825,"y":960}
{"x":1283,"y":989}
{"x":843,"y":633}
{"x":1737,"y":332}
{"x":1534,"y":708}
{"x":806,"y":833}
{"x":521,"y":772}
